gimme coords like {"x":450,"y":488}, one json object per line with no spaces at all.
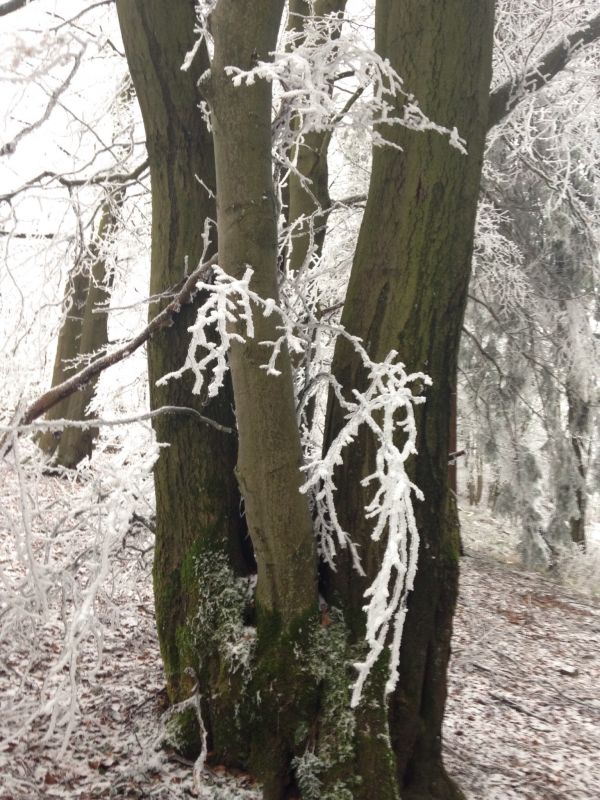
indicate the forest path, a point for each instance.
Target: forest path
{"x":523,"y":719}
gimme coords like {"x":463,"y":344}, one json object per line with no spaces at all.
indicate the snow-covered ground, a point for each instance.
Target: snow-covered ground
{"x":523,"y":717}
{"x":523,"y":720}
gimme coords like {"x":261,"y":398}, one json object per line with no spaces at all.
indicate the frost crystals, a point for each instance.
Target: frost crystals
{"x":385,"y":408}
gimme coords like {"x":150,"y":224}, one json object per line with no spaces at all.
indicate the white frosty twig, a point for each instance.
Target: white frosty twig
{"x":385,"y":407}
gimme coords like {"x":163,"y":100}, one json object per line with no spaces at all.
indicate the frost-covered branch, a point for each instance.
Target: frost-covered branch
{"x":98,"y":422}
{"x":307,"y":68}
{"x":506,"y":96}
{"x":386,"y":408}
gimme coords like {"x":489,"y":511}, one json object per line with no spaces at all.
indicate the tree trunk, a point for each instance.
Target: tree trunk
{"x":579,"y":434}
{"x":408,"y":291}
{"x":197,"y":501}
{"x":84,"y":331}
{"x":75,"y":444}
{"x":67,"y":348}
{"x":269,"y":457}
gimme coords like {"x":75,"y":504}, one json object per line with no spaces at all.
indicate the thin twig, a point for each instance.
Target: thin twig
{"x":96,"y":422}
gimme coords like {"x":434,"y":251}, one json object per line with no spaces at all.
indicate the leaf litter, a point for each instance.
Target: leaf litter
{"x":523,"y":718}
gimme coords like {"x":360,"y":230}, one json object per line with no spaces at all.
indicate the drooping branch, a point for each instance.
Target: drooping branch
{"x":507,"y":96}
{"x":81,"y":378}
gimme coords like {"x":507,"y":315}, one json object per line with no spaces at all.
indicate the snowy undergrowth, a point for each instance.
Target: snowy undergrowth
{"x":524,"y":688}
{"x":522,"y":721}
{"x":573,"y":567}
{"x":81,"y":695}
{"x":66,"y":544}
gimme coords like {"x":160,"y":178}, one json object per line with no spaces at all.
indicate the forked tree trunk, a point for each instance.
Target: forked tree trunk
{"x":74,"y":444}
{"x":83,"y":332}
{"x":407,"y":291}
{"x":284,"y":712}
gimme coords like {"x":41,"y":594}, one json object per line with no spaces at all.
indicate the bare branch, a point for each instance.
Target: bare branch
{"x":120,"y":178}
{"x":508,"y":95}
{"x":162,"y":320}
{"x":96,"y":422}
{"x":77,"y":16}
{"x":10,"y":147}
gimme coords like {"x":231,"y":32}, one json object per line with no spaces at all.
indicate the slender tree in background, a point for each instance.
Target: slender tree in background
{"x":84,"y":332}
{"x":84,"y":328}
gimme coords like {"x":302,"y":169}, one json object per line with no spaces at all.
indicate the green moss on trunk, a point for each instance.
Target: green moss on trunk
{"x":407,"y":292}
{"x":197,"y":501}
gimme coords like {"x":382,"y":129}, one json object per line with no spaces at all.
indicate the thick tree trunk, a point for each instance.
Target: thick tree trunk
{"x":197,"y":501}
{"x":407,"y":291}
{"x":269,"y":457}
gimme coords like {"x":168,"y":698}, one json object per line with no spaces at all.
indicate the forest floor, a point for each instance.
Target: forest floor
{"x":523,"y":719}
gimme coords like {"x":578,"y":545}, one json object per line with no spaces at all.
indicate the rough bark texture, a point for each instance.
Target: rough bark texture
{"x":408,"y":291}
{"x":197,"y":502}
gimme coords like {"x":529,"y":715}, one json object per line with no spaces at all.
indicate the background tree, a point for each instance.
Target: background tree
{"x":87,"y":199}
{"x":529,"y":379}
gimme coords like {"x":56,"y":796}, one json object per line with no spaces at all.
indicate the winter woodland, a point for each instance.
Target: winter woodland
{"x":100,"y":421}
